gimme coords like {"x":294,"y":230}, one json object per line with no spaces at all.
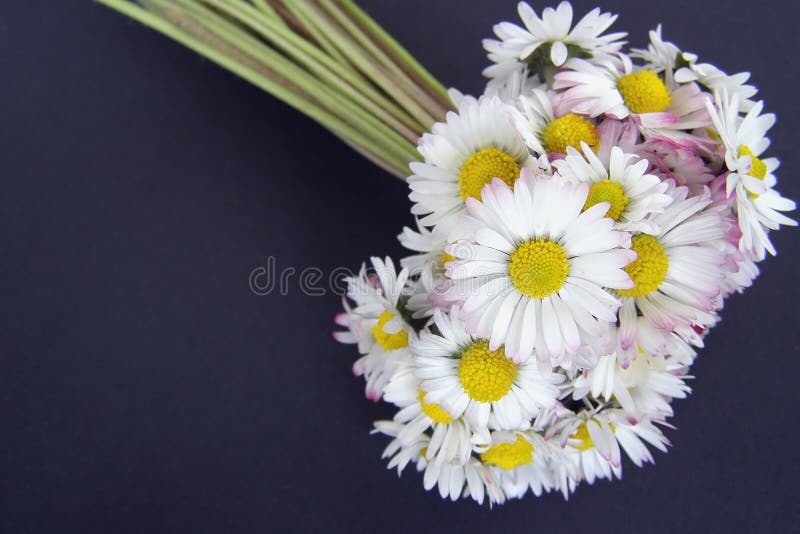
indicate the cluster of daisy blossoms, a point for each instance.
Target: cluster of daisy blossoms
{"x":579,"y":228}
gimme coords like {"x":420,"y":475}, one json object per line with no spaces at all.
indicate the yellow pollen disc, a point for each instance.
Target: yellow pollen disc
{"x":388,"y":341}
{"x":433,"y":410}
{"x":644,"y":92}
{"x":607,"y":191}
{"x":446,"y":258}
{"x":758,"y":169}
{"x":538,"y":268}
{"x":649,"y":268}
{"x":509,"y":455}
{"x":479,"y":169}
{"x":569,"y":130}
{"x":485,"y":375}
{"x":586,"y":440}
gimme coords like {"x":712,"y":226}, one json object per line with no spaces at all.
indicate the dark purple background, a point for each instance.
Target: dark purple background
{"x":144,"y":388}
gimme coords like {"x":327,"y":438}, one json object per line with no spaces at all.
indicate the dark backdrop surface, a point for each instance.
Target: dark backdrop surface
{"x":145,"y":388}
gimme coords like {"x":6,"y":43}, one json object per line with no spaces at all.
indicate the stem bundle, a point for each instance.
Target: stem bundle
{"x":326,"y":58}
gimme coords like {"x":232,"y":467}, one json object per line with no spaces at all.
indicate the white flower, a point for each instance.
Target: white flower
{"x":678,"y":272}
{"x":520,"y":461}
{"x":376,"y":324}
{"x":595,"y":441}
{"x":549,"y":40}
{"x":451,"y":439}
{"x":544,"y":133}
{"x":758,"y":204}
{"x":542,"y":263}
{"x":682,"y":67}
{"x":633,"y":195}
{"x":461,"y":155}
{"x":465,"y":377}
{"x":453,"y":479}
{"x":617,"y":88}
{"x":645,"y":387}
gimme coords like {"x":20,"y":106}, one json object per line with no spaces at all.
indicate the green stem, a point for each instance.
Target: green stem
{"x":397,"y":50}
{"x":260,"y":79}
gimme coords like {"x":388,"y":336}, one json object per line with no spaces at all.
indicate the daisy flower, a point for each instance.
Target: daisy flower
{"x":678,"y":272}
{"x":682,"y":67}
{"x":596,"y":440}
{"x":541,"y":262}
{"x":646,"y":386}
{"x":451,"y":439}
{"x":462,"y":155}
{"x":632,"y":194}
{"x":376,"y":324}
{"x":466,"y":378}
{"x":520,"y":462}
{"x":453,"y":479}
{"x":616,"y":88}
{"x":545,"y":43}
{"x":758,"y":204}
{"x":543,"y":132}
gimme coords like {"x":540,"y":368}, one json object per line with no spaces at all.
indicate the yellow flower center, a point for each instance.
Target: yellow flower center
{"x":569,"y":130}
{"x":509,"y":455}
{"x":649,"y":268}
{"x":607,"y":191}
{"x":387,"y":341}
{"x":479,"y":169}
{"x":758,"y":169}
{"x":538,"y":268}
{"x":486,"y":375}
{"x":433,"y":410}
{"x":644,"y":92}
{"x":582,"y":434}
{"x":446,"y":258}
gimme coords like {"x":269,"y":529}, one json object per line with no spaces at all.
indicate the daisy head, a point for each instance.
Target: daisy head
{"x":462,"y":155}
{"x":683,"y":67}
{"x":751,"y":178}
{"x":546,"y":42}
{"x":540,"y":262}
{"x":678,"y":272}
{"x":376,"y":323}
{"x":615,"y":87}
{"x":462,"y":375}
{"x":632,"y":194}
{"x":451,"y":439}
{"x":544,"y":133}
{"x":453,"y":479}
{"x":521,"y":461}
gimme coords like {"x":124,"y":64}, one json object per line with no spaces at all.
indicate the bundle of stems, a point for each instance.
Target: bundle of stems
{"x":326,"y":58}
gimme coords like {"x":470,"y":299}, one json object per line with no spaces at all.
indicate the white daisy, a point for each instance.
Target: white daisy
{"x":545,"y":43}
{"x":541,"y":263}
{"x":645,"y":387}
{"x":758,"y":204}
{"x":451,"y":439}
{"x":617,"y":88}
{"x":544,"y":133}
{"x":678,"y":272}
{"x":461,"y":155}
{"x":376,"y":324}
{"x":520,"y":461}
{"x":453,"y":479}
{"x":466,"y":378}
{"x":595,"y":440}
{"x":682,"y":67}
{"x":623,"y":183}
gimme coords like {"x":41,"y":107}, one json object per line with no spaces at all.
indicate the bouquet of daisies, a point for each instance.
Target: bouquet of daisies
{"x":578,"y":228}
